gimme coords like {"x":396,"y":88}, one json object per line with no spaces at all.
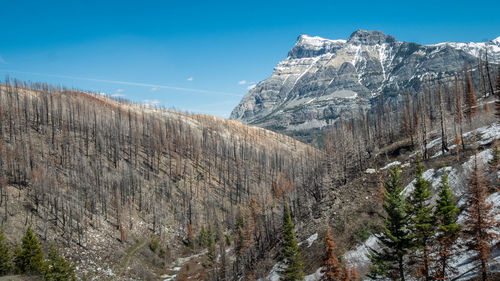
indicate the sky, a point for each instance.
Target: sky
{"x":203,"y":56}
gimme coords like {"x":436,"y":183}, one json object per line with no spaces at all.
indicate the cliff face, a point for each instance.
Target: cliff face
{"x":321,"y":78}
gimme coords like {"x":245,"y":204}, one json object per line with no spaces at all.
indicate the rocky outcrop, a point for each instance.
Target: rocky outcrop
{"x":321,"y":79}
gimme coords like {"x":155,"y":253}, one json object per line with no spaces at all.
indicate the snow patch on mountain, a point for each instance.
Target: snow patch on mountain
{"x":316,"y":41}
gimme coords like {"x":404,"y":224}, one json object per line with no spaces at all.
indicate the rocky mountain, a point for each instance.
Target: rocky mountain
{"x":321,"y":79}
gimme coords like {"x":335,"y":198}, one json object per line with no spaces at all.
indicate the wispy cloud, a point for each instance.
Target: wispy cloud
{"x":199,"y":91}
{"x":120,"y":90}
{"x":245,"y":82}
{"x":2,"y":60}
{"x":151,"y":103}
{"x":154,"y":89}
{"x":250,"y":84}
{"x":117,"y":95}
{"x":190,"y":79}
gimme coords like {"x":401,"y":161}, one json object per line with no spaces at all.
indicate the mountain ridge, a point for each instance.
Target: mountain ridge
{"x":321,"y":79}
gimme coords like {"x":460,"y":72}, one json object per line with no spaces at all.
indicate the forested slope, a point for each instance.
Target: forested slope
{"x":84,"y":170}
{"x":131,"y":192}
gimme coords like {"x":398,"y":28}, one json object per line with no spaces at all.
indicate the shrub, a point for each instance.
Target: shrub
{"x":154,"y":244}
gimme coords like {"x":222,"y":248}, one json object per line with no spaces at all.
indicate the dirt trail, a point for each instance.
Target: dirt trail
{"x":130,"y":253}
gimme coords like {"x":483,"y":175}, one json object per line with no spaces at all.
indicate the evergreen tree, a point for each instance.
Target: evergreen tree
{"x":495,"y":157}
{"x":395,"y":239}
{"x":5,"y":262}
{"x":480,"y":222}
{"x":290,"y":250}
{"x":331,"y":268}
{"x":212,"y":251}
{"x":240,"y":237}
{"x":421,"y":223}
{"x":202,"y":238}
{"x":29,"y":258}
{"x":445,"y":217}
{"x":56,"y":268}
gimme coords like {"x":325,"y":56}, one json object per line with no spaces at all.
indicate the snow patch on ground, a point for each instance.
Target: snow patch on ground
{"x":274,"y":273}
{"x":170,"y":278}
{"x":391,"y":164}
{"x":358,"y":258}
{"x":314,"y":276}
{"x":311,"y":239}
{"x":275,"y":276}
{"x":429,"y":175}
{"x":486,"y":134}
{"x":439,"y":153}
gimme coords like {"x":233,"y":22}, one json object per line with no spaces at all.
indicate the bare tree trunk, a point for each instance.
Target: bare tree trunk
{"x":444,"y":147}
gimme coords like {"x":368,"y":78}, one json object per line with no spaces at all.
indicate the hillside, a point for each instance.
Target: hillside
{"x":321,"y":79}
{"x":129,"y":192}
{"x":102,"y":178}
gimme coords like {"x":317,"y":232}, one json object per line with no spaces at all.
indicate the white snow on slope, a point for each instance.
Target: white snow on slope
{"x":314,"y":276}
{"x":486,"y":134}
{"x":275,"y":276}
{"x":274,"y":273}
{"x":390,"y":165}
{"x":358,"y":257}
{"x":310,"y":240}
{"x":316,"y":42}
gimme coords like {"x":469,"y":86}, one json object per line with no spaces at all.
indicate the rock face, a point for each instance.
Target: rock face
{"x":321,"y":79}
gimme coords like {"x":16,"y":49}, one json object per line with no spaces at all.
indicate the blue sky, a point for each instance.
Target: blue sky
{"x":195,"y":55}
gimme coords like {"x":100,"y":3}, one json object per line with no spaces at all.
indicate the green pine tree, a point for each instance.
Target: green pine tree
{"x":395,"y":239}
{"x":240,"y":238}
{"x":5,"y":257}
{"x":212,"y":251}
{"x":421,"y":221}
{"x":29,"y":258}
{"x":290,"y":251}
{"x":203,"y":237}
{"x":56,"y":268}
{"x":495,"y":157}
{"x":445,"y":217}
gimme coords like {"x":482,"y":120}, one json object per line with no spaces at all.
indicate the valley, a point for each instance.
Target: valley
{"x":358,"y":159}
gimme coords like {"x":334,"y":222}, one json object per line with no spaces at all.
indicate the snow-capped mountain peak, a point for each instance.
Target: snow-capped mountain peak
{"x":321,"y":79}
{"x":365,"y":37}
